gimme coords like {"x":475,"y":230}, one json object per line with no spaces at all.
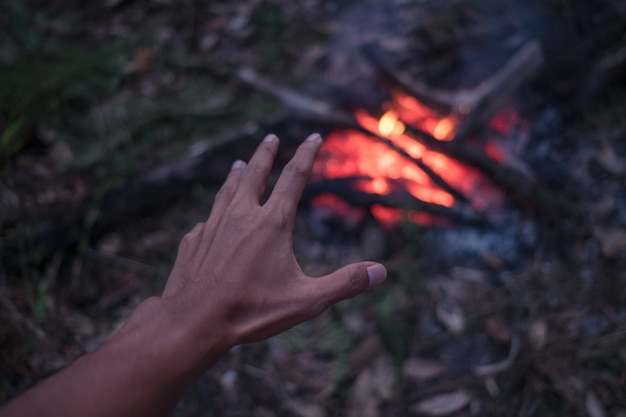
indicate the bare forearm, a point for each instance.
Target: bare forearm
{"x":143,"y":370}
{"x":235,"y":280}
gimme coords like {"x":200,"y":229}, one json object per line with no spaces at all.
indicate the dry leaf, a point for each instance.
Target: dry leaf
{"x":363,"y":402}
{"x":365,"y":352}
{"x":110,"y":243}
{"x":605,"y":206}
{"x":228,"y":380}
{"x":303,"y":409}
{"x":373,"y":386}
{"x":143,"y":59}
{"x":608,"y":159}
{"x":468,"y":274}
{"x":450,"y":314}
{"x":444,"y":404}
{"x":498,"y":329}
{"x":538,"y":334}
{"x":422,"y":369}
{"x":593,"y":406}
{"x":613,"y":243}
{"x":384,"y":377}
{"x":59,"y":154}
{"x":492,"y":260}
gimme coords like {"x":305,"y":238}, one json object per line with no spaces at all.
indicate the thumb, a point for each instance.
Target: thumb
{"x":351,"y":280}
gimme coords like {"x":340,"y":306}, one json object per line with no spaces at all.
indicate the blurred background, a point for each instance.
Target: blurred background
{"x":507,"y":256}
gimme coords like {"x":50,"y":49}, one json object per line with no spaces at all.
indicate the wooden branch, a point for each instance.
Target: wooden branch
{"x":606,"y":69}
{"x":296,"y":103}
{"x":492,"y":94}
{"x":492,"y":369}
{"x":477,"y":105}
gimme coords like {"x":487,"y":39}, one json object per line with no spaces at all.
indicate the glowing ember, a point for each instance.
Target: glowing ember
{"x":389,"y":125}
{"x":445,"y":129}
{"x":350,"y":154}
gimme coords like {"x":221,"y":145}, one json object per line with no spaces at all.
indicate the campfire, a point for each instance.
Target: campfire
{"x":420,"y":159}
{"x":379,"y":169}
{"x":431,"y":153}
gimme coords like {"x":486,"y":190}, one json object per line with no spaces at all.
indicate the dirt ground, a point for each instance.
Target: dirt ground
{"x":524,"y":317}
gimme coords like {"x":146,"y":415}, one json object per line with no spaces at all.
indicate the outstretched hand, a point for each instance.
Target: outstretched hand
{"x":235,"y":280}
{"x":238,"y":268}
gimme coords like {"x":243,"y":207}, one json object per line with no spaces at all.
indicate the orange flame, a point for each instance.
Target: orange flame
{"x":353,"y":154}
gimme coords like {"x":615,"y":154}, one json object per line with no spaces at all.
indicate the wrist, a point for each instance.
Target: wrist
{"x":177,"y":334}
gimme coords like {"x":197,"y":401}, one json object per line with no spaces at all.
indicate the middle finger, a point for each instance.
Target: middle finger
{"x":254,"y":176}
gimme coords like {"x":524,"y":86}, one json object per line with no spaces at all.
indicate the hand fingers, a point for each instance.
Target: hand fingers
{"x":349,"y":281}
{"x":253,"y":178}
{"x":225,"y":195}
{"x":293,"y":179}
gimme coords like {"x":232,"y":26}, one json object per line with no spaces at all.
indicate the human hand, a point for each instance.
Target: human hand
{"x":235,"y":280}
{"x":236,"y":274}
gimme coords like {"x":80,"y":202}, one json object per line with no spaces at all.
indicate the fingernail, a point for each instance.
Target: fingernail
{"x":270,"y":138}
{"x":376,"y":274}
{"x":315,"y":137}
{"x":238,"y":164}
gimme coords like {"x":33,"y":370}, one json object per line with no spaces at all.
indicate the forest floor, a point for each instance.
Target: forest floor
{"x":527,"y":320}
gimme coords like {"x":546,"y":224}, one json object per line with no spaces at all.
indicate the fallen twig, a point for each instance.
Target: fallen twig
{"x":492,"y":369}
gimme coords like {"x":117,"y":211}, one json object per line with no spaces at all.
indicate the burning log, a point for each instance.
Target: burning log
{"x":517,"y":184}
{"x":347,"y":189}
{"x":477,"y":105}
{"x":321,"y":112}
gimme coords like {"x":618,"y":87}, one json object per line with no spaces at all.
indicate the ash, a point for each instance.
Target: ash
{"x":467,"y":244}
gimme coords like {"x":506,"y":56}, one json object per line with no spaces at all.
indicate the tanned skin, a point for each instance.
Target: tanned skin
{"x":235,"y":280}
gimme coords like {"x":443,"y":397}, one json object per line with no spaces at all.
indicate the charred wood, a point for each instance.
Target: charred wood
{"x":347,"y":190}
{"x":517,"y":184}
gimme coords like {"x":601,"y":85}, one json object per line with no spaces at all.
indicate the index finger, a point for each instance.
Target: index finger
{"x":293,"y":179}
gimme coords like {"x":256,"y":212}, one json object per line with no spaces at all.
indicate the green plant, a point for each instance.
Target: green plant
{"x":40,"y":87}
{"x":9,"y":146}
{"x":41,"y":301}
